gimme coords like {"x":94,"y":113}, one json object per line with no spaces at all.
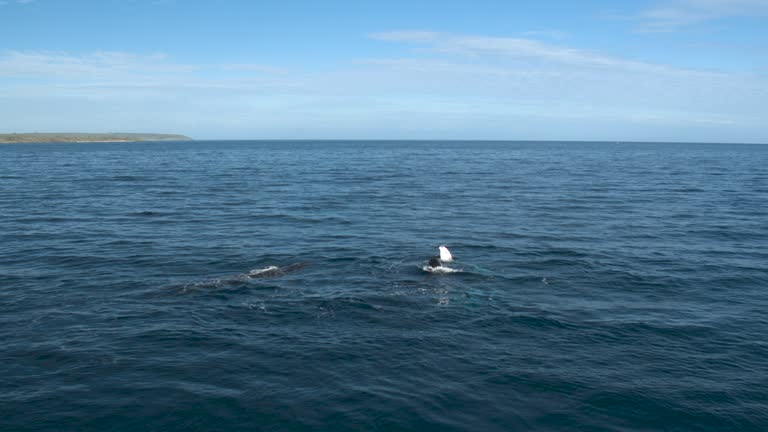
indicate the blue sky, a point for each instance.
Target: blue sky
{"x":655,"y":70}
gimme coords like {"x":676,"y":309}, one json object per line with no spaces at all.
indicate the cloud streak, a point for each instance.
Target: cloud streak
{"x":439,"y":85}
{"x":516,"y":48}
{"x":7,"y":2}
{"x":674,"y":14}
{"x":124,"y":69}
{"x":543,"y":77}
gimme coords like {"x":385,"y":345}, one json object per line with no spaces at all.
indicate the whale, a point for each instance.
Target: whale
{"x":269,"y":272}
{"x":275,"y":271}
{"x":436,"y":263}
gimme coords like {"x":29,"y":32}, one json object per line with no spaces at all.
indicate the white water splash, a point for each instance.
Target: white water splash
{"x":263,"y":270}
{"x":440,"y":269}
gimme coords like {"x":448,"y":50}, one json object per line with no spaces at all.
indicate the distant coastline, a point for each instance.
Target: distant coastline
{"x":29,"y":138}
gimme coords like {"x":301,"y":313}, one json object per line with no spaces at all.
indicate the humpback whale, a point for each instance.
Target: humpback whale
{"x":262,"y":273}
{"x":275,"y":271}
{"x":435,"y":264}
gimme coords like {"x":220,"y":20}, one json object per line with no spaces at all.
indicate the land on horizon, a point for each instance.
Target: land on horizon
{"x":23,"y":138}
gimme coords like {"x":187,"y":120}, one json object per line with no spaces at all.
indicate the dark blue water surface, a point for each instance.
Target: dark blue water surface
{"x":603,"y":287}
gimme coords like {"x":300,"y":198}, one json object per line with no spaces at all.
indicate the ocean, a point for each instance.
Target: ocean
{"x":280,"y":286}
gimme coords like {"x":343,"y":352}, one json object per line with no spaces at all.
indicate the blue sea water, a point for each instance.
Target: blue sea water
{"x":603,"y":287}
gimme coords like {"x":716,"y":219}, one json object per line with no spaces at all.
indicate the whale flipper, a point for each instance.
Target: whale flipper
{"x":445,"y":254}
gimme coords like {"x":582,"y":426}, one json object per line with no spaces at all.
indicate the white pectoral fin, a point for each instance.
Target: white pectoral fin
{"x":445,"y":254}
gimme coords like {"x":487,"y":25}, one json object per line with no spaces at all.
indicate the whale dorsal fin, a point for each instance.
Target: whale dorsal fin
{"x":445,"y":254}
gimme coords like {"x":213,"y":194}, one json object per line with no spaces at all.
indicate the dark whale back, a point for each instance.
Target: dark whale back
{"x":278,"y":271}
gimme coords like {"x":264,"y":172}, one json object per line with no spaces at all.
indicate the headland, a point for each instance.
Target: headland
{"x":25,"y":138}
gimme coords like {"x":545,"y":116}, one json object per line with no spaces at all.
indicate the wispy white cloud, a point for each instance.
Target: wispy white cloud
{"x":521,"y":72}
{"x":119,"y":90}
{"x":116,"y":66}
{"x":452,"y":85}
{"x":519,"y":48}
{"x":90,"y":66}
{"x":406,"y":36}
{"x":669,"y":15}
{"x":547,"y":33}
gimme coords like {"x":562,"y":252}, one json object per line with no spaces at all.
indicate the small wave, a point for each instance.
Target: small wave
{"x":148,"y":213}
{"x":127,"y":178}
